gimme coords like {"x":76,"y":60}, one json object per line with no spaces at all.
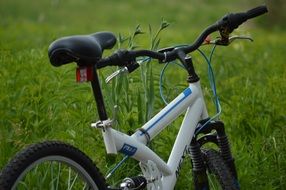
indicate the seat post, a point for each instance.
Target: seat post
{"x":98,"y":96}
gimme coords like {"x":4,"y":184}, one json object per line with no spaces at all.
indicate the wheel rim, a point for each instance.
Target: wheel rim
{"x":37,"y":174}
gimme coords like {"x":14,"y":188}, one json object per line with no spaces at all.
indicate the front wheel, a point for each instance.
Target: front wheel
{"x":219,"y":176}
{"x":51,"y":165}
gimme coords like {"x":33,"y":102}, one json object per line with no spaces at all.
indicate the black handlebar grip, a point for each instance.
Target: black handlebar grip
{"x":257,"y":11}
{"x":233,"y":20}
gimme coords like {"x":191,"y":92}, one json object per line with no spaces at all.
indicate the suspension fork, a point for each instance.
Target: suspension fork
{"x":198,"y":166}
{"x":225,"y":150}
{"x":219,"y":138}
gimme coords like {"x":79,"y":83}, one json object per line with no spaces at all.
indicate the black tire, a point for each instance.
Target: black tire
{"x":38,"y":161}
{"x":218,"y":172}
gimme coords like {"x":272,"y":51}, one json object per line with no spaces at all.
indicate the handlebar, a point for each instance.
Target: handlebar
{"x":257,"y":11}
{"x":225,"y":26}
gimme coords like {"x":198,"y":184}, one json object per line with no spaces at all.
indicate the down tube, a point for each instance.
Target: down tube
{"x":182,"y":143}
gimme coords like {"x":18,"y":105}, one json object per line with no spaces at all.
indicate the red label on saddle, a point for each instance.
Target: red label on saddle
{"x":84,"y":74}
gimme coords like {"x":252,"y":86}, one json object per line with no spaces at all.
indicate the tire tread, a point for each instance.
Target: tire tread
{"x":36,"y":151}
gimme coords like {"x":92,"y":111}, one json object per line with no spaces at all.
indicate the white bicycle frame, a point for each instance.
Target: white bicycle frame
{"x":190,"y":100}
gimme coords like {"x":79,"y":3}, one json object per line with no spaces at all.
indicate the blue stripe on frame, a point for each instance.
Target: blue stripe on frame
{"x":186,"y":93}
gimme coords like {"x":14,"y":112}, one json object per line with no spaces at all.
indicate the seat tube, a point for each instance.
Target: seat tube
{"x":98,"y":96}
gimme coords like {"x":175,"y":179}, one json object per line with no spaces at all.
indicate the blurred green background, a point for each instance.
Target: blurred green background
{"x":38,"y":101}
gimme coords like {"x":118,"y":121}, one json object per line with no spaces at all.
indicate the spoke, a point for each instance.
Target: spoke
{"x":55,"y":175}
{"x":213,"y":181}
{"x":24,"y":185}
{"x":52,"y":176}
{"x":84,"y":186}
{"x":46,"y":173}
{"x":73,"y":181}
{"x":69,"y":179}
{"x":58,"y":177}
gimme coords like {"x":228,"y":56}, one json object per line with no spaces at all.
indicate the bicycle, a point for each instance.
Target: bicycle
{"x":197,"y":129}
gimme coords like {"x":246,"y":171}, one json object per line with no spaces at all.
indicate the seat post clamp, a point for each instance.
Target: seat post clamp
{"x":102,"y":124}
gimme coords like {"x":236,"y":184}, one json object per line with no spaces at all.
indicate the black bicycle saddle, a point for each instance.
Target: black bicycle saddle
{"x":82,"y":49}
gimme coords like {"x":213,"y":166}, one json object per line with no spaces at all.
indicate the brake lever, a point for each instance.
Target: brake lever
{"x":115,"y":74}
{"x":218,"y":41}
{"x":127,"y":69}
{"x":232,"y":38}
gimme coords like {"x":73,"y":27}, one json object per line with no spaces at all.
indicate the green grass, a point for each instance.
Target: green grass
{"x":38,"y":101}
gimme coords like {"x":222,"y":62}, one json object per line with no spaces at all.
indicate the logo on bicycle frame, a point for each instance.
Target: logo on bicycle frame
{"x":186,"y":151}
{"x":128,"y":150}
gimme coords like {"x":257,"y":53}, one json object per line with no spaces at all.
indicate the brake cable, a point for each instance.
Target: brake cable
{"x":211,"y":80}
